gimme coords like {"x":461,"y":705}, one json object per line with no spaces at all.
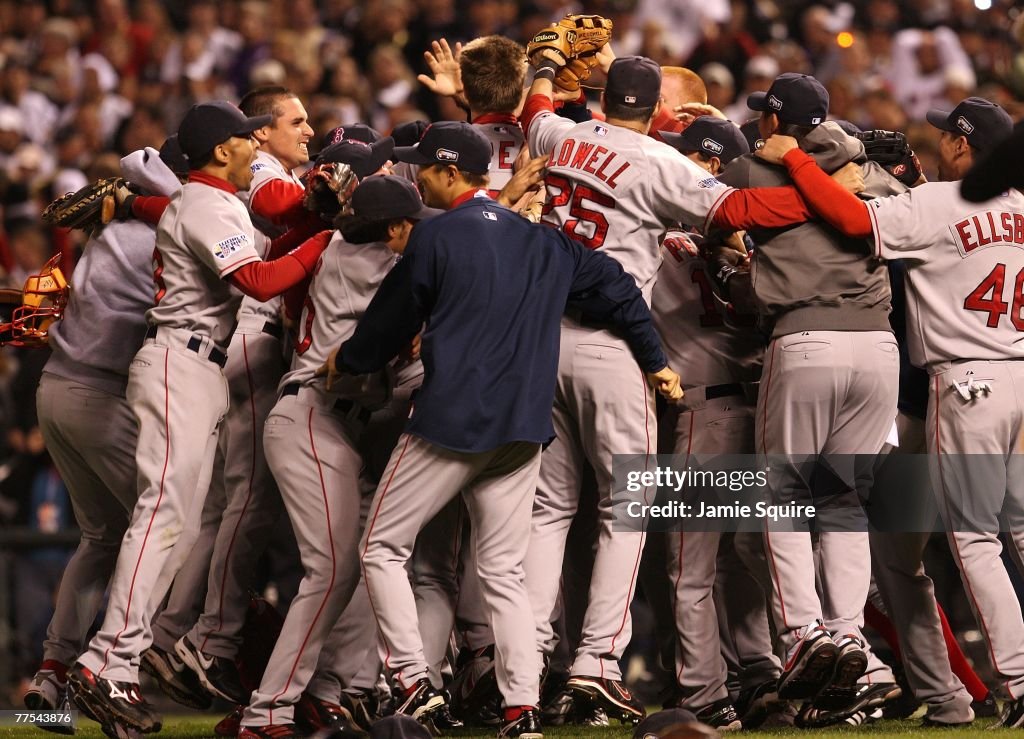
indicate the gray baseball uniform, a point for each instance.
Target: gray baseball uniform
{"x":720,"y":362}
{"x":178,"y":393}
{"x":84,"y":381}
{"x":506,"y":138}
{"x":601,"y":191}
{"x":253,"y":505}
{"x":310,"y":440}
{"x":967,"y":337}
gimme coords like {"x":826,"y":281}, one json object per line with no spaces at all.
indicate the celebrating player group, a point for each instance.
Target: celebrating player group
{"x":421,"y":351}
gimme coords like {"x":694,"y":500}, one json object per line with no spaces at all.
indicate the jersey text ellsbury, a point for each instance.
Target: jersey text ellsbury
{"x":988,"y":228}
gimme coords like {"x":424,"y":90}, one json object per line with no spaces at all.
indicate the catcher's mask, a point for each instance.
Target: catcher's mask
{"x":38,"y":305}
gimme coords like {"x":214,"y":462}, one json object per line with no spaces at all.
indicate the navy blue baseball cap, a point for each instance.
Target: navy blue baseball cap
{"x":352,"y":132}
{"x":206,"y":125}
{"x":398,"y":726}
{"x":365,"y":159}
{"x":984,"y":123}
{"x":450,"y":142}
{"x":633,"y":81}
{"x":997,"y":171}
{"x":798,"y":99}
{"x":387,"y":197}
{"x":658,"y":724}
{"x":709,"y":135}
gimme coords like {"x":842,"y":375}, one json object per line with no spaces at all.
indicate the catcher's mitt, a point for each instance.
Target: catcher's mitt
{"x":90,"y":208}
{"x":572,"y":45}
{"x":891,"y":150}
{"x":329,"y":188}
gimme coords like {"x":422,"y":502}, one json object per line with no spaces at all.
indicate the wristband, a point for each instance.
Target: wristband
{"x":546,"y":72}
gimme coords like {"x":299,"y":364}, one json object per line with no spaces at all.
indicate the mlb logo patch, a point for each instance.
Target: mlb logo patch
{"x":600,"y":130}
{"x":964,"y":125}
{"x":490,"y":216}
{"x":774,"y":103}
{"x":227,"y":247}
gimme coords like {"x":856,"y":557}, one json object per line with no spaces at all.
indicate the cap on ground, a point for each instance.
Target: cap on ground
{"x":657,"y":724}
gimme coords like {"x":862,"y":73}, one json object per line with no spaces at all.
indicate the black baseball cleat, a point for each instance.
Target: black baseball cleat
{"x":522,"y":722}
{"x":364,"y":707}
{"x":832,"y":707}
{"x":851,"y":663}
{"x":720,"y":715}
{"x":1012,"y":716}
{"x":986,"y":707}
{"x":219,"y":675}
{"x":611,"y":695}
{"x":175,"y":678}
{"x":474,"y":688}
{"x":810,"y":665}
{"x":112,"y":702}
{"x":428,"y":705}
{"x":754,"y":704}
{"x":314,"y":714}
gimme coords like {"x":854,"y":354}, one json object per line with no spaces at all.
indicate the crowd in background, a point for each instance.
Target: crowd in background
{"x":83,"y":82}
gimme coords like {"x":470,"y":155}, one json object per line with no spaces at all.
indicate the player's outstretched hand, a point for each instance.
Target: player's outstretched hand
{"x":666,"y":382}
{"x":775,"y":147}
{"x":444,"y":65}
{"x":329,"y":369}
{"x":526,"y":181}
{"x":686,"y":112}
{"x":850,"y":177}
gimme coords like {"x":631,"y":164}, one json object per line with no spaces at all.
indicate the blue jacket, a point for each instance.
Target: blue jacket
{"x":491,"y":288}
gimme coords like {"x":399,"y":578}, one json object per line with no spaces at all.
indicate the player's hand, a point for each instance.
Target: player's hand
{"x":605,"y":56}
{"x":850,"y":177}
{"x":412,"y":352}
{"x":775,"y":148}
{"x":329,"y":369}
{"x":666,"y":382}
{"x":686,"y":112}
{"x":444,"y":65}
{"x":526,"y":181}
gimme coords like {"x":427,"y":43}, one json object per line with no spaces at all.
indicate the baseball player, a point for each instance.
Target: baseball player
{"x":206,"y":246}
{"x":501,"y":306}
{"x":963,"y":328}
{"x":253,"y":370}
{"x":85,"y":378}
{"x":828,"y":387}
{"x":311,"y":443}
{"x":599,"y":187}
{"x":715,"y":417}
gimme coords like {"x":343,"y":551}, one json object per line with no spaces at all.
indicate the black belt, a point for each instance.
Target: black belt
{"x":723,"y":391}
{"x":274,"y":329}
{"x":194,"y":344}
{"x":342,"y":405}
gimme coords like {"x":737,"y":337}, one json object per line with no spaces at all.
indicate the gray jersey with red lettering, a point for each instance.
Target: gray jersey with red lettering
{"x":204,"y":235}
{"x":965,"y":276}
{"x":700,"y":337}
{"x":506,"y":137}
{"x":615,"y":189}
{"x":345,"y":280}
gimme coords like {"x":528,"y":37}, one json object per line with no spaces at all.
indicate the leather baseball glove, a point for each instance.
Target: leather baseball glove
{"x":90,"y":208}
{"x":329,"y":188}
{"x":572,"y":44}
{"x":891,"y":150}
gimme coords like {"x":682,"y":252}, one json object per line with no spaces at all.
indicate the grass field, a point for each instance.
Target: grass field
{"x":191,"y":726}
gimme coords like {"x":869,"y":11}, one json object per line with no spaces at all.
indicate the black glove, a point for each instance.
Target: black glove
{"x":891,"y":150}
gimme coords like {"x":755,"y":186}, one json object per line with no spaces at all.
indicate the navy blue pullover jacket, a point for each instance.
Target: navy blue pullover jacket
{"x":491,"y":288}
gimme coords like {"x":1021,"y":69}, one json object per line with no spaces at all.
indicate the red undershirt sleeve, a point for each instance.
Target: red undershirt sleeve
{"x":280,"y":202}
{"x":765,"y":207}
{"x":265,"y":280}
{"x":149,"y":208}
{"x":830,"y":200}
